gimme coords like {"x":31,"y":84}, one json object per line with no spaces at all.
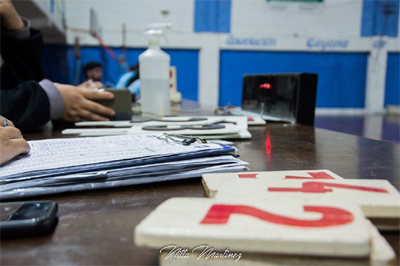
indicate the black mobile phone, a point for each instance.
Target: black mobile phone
{"x":20,"y":219}
{"x":121,"y":104}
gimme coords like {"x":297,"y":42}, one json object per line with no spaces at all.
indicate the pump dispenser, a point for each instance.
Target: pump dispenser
{"x":154,"y":74}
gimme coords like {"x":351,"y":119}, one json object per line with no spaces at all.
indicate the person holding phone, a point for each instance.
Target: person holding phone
{"x":11,"y":141}
{"x":26,"y":96}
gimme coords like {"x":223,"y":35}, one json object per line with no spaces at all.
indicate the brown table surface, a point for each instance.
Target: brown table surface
{"x":96,"y":227}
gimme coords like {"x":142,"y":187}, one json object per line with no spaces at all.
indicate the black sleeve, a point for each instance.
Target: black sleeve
{"x":27,"y":105}
{"x":22,"y":59}
{"x":22,"y":100}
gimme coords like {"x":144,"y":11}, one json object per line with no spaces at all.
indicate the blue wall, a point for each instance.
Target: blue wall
{"x":59,"y":65}
{"x":341,"y":76}
{"x":55,"y":63}
{"x":380,"y":17}
{"x":392,"y":88}
{"x":212,"y":15}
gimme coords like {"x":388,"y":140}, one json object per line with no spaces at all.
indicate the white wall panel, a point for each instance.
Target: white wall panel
{"x":136,"y":14}
{"x":330,"y":18}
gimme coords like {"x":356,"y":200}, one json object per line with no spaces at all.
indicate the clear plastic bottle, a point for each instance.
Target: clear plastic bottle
{"x":154,"y":66}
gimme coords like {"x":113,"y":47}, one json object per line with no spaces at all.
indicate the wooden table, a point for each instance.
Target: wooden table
{"x":96,"y":227}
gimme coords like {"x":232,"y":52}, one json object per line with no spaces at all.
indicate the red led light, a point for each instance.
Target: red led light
{"x":265,"y":86}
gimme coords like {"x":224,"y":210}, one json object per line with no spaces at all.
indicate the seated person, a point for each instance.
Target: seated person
{"x":26,"y":97}
{"x":93,"y":71}
{"x":11,"y":141}
{"x":130,"y":80}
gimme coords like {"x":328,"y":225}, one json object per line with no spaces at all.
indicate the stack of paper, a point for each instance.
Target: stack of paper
{"x":232,"y":127}
{"x":64,"y":165}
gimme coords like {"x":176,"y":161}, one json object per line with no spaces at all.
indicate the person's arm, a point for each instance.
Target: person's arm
{"x":22,"y":53}
{"x":23,"y":99}
{"x":27,"y":105}
{"x":26,"y":97}
{"x":21,"y":48}
{"x":10,"y":20}
{"x":79,"y":104}
{"x":30,"y":107}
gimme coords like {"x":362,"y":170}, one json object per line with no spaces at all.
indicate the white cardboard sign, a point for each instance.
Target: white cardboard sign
{"x":312,"y":228}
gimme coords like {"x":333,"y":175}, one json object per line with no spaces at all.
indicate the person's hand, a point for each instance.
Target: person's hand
{"x":2,"y":122}
{"x":79,"y":107}
{"x":10,"y":20}
{"x":90,"y":84}
{"x":11,"y":143}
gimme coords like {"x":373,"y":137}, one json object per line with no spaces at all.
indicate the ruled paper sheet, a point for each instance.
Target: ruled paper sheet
{"x":61,"y":153}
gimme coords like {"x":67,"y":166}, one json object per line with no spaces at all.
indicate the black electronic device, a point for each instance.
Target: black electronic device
{"x":121,"y":104}
{"x":21,"y":219}
{"x":289,"y":97}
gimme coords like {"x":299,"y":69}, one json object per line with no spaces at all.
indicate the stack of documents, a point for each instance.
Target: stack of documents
{"x":208,"y":127}
{"x":66,"y":165}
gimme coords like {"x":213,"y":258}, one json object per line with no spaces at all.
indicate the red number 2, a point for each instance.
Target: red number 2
{"x":331,"y":216}
{"x":319,"y":187}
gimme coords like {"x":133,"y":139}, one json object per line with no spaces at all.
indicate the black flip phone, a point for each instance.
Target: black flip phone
{"x":20,"y":219}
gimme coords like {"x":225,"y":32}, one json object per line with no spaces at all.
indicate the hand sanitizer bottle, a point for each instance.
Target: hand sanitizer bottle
{"x":154,"y":74}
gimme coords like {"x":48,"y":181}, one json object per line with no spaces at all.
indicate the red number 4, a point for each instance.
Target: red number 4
{"x":316,"y":175}
{"x":320,"y":187}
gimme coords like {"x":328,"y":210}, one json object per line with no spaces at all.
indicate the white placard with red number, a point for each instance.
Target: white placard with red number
{"x":381,"y":254}
{"x":313,"y":228}
{"x":377,"y":198}
{"x":213,"y":182}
